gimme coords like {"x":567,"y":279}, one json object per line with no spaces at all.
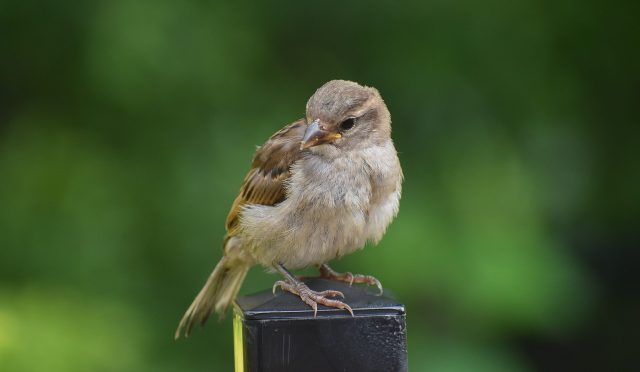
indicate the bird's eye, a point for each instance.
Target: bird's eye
{"x":348,"y":124}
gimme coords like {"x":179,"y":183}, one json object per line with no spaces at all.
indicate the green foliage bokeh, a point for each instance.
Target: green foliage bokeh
{"x":127,"y":127}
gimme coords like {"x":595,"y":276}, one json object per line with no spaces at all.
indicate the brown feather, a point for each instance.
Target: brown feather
{"x":264,"y":184}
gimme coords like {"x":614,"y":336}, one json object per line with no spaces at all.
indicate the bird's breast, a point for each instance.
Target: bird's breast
{"x":327,"y":213}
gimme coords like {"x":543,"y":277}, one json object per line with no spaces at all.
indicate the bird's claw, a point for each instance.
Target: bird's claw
{"x":328,"y":273}
{"x":313,"y":298}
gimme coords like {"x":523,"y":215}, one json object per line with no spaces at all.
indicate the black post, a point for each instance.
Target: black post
{"x":279,"y":333}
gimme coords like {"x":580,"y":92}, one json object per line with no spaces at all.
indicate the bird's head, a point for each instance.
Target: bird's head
{"x":346,"y":115}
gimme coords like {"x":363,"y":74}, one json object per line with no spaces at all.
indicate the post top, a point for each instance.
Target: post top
{"x":284,"y":305}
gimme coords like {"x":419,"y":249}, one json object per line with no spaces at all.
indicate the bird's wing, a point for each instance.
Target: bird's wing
{"x":264,"y":184}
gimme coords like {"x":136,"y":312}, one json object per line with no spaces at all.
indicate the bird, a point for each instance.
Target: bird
{"x":318,"y":189}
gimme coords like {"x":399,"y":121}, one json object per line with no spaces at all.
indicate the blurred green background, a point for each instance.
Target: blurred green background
{"x":126,"y":128}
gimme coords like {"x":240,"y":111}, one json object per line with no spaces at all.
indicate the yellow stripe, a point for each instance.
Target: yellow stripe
{"x":238,"y":344}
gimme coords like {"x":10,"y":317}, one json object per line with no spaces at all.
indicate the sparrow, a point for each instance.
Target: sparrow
{"x":318,"y":189}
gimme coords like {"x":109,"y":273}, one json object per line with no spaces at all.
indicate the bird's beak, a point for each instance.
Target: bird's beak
{"x":315,"y":136}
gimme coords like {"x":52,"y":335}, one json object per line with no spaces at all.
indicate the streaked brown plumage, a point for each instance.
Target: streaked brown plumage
{"x":264,"y":184}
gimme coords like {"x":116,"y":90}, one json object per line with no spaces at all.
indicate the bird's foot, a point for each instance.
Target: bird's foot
{"x":312,"y":298}
{"x":328,"y":273}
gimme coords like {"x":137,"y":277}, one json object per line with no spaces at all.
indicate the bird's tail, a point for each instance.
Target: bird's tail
{"x":220,"y":289}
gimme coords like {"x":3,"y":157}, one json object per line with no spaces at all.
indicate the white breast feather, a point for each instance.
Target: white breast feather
{"x":319,"y":221}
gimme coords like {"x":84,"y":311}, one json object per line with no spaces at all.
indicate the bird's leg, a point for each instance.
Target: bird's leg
{"x":328,"y":273}
{"x":310,"y":297}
